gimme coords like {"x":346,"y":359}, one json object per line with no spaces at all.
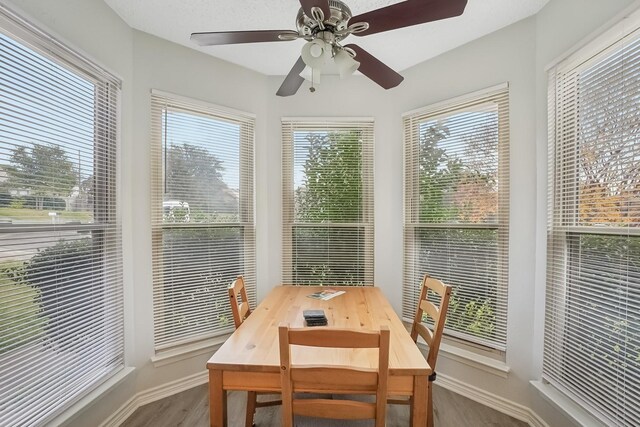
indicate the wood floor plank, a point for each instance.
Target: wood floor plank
{"x":191,"y":409}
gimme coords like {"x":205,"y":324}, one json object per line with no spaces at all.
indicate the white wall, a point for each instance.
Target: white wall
{"x":517,"y":54}
{"x":172,"y":68}
{"x":158,"y":64}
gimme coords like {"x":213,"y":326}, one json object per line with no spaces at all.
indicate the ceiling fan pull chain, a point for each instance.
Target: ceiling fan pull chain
{"x":312,"y":88}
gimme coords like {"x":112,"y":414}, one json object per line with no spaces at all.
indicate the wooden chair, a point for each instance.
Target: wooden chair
{"x":241,"y":310}
{"x":432,"y":337}
{"x":333,"y":379}
{"x":239,"y":301}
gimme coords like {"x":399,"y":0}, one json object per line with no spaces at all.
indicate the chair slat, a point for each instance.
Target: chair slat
{"x":425,"y":333}
{"x":432,"y":311}
{"x":346,"y":380}
{"x":244,"y":309}
{"x":436,"y":286}
{"x":336,"y":409}
{"x":326,"y":337}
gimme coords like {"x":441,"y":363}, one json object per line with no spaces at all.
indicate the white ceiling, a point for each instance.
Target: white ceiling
{"x":400,"y":49}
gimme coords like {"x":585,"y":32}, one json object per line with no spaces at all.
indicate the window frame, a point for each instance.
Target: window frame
{"x":291,"y":125}
{"x":564,"y":228}
{"x":411,"y":218}
{"x":105,"y":227}
{"x":246,"y":205}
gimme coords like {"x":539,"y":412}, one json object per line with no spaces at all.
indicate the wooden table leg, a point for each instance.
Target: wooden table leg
{"x":217,"y":400}
{"x":419,"y":401}
{"x":430,"y":414}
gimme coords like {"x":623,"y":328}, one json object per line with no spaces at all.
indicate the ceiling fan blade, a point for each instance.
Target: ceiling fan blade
{"x":293,"y":81}
{"x":322,"y":4}
{"x":236,"y":37}
{"x":408,"y":13}
{"x":373,"y":68}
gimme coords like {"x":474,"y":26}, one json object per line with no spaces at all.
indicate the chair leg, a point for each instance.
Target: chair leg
{"x":252,"y":398}
{"x":287,"y":413}
{"x":429,"y":404}
{"x":411,"y":407}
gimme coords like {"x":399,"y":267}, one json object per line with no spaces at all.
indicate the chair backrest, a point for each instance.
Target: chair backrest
{"x":438,"y":314}
{"x":331,"y":378}
{"x":239,"y":309}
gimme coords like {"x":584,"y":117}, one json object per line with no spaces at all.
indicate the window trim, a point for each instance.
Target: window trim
{"x":106,"y":227}
{"x":246,"y":213}
{"x":411,"y":222}
{"x":288,"y":196}
{"x":47,"y":44}
{"x":562,"y":218}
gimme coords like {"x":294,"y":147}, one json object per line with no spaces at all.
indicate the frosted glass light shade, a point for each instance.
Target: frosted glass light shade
{"x":315,"y":50}
{"x":346,"y":64}
{"x":315,"y":53}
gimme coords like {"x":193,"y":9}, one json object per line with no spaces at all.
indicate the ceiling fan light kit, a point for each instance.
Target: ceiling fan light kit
{"x":325,"y":23}
{"x":319,"y":51}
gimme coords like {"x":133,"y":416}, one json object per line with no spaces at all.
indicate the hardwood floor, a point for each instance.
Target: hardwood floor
{"x":191,"y":409}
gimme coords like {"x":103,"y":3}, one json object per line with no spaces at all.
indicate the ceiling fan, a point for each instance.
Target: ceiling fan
{"x":324,"y":24}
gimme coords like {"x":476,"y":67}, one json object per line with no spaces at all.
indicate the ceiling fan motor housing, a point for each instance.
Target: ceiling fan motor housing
{"x":337,"y":22}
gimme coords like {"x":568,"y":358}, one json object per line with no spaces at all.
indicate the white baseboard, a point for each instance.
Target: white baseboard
{"x":153,"y":394}
{"x":476,"y":394}
{"x":491,"y":400}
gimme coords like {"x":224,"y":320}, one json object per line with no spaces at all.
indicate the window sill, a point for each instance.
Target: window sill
{"x":184,"y":352}
{"x":475,"y":360}
{"x":92,"y":396}
{"x":570,"y":408}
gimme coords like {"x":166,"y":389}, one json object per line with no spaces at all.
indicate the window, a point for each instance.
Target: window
{"x":61,"y":307}
{"x":456,"y":211}
{"x":327,"y":202}
{"x":592,"y":331}
{"x":202,"y":217}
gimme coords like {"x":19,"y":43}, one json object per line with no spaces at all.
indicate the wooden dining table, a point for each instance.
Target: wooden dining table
{"x":249,"y":359}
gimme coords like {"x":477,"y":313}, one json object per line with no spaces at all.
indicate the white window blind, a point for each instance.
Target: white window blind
{"x":61,"y":307}
{"x":202,"y":216}
{"x":592,"y":331}
{"x":457,"y":211}
{"x":327,"y":201}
